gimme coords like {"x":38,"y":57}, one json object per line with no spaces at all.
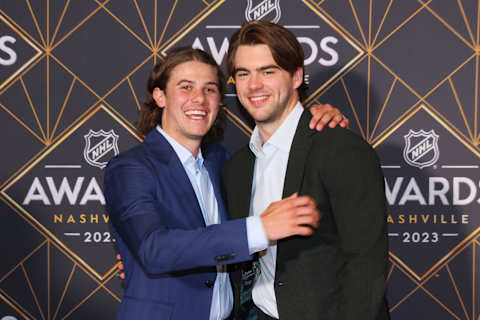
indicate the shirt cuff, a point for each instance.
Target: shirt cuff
{"x":257,"y":240}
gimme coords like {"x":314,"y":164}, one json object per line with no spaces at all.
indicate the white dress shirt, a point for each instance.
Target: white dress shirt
{"x":222,"y":298}
{"x":268,"y":179}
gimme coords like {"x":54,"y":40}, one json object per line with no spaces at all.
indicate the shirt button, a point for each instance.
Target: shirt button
{"x":280,"y":283}
{"x":209,"y":283}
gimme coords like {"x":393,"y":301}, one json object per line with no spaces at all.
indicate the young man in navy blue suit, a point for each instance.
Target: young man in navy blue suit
{"x":166,"y":206}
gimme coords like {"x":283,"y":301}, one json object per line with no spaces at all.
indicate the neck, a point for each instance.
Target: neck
{"x":191,"y":146}
{"x":267,"y":128}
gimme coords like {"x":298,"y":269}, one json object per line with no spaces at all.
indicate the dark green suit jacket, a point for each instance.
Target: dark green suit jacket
{"x":339,"y":272}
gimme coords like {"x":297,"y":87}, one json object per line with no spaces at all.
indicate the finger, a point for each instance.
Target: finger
{"x":302,"y":201}
{"x":118,"y":257}
{"x":344,"y":123}
{"x":307,"y":221}
{"x":120,"y":266}
{"x":303,"y":231}
{"x":323,"y":122}
{"x":315,"y":119}
{"x":293,"y":195}
{"x":122,"y":276}
{"x":336,"y":120}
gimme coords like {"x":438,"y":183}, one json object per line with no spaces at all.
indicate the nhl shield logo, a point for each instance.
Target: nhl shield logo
{"x":263,"y":9}
{"x":421,"y":148}
{"x":100,"y":146}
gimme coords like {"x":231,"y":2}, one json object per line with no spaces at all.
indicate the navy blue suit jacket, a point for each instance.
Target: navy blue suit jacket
{"x":168,"y":252}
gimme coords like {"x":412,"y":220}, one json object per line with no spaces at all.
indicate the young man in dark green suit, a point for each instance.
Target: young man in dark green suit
{"x":339,"y":272}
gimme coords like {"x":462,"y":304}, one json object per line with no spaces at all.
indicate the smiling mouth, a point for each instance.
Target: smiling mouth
{"x":258,"y":99}
{"x":196,"y":114}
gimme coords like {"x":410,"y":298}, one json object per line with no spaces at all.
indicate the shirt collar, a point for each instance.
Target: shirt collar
{"x":282,"y":138}
{"x":185,"y":156}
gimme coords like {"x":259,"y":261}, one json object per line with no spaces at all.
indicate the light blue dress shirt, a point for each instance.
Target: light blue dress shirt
{"x":222,"y":298}
{"x":267,"y":186}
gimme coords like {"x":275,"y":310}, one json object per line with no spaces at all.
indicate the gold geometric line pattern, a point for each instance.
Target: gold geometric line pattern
{"x":21,"y":74}
{"x":36,"y":23}
{"x":473,"y":280}
{"x":19,"y":209}
{"x":476,"y":97}
{"x":352,"y":107}
{"x":100,"y":283}
{"x":143,"y":23}
{"x":166,"y":24}
{"x":347,"y":66}
{"x":15,"y":305}
{"x":237,"y":121}
{"x":23,"y":260}
{"x":389,"y":274}
{"x":449,"y":27}
{"x":123,"y":24}
{"x":134,"y":94}
{"x":67,"y":285}
{"x":375,"y":46}
{"x":177,"y":36}
{"x":68,"y":34}
{"x":382,"y":21}
{"x":22,"y":123}
{"x":387,"y":99}
{"x":64,"y":105}
{"x":64,"y":11}
{"x":419,"y":284}
{"x":89,"y":296}
{"x":467,"y":24}
{"x":460,"y":107}
{"x":32,"y":291}
{"x":27,"y":95}
{"x":456,"y":291}
{"x":359,"y":25}
{"x":48,"y":280}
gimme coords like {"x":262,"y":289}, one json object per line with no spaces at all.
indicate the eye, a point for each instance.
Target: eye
{"x":268,"y":72}
{"x":241,"y":74}
{"x":211,"y":90}
{"x":186,"y":87}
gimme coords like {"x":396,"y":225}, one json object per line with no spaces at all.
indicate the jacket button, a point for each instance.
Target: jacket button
{"x":209,"y":283}
{"x":280,"y":283}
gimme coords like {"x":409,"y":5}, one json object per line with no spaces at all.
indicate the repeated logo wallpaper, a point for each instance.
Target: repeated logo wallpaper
{"x":72,"y":78}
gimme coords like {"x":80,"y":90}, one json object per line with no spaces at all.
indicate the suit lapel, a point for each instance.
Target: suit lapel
{"x":242,"y":185}
{"x":177,"y":178}
{"x":214,"y":173}
{"x":298,"y":156}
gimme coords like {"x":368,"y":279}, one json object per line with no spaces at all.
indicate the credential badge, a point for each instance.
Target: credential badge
{"x":421,"y":148}
{"x":100,"y":146}
{"x":259,"y":9}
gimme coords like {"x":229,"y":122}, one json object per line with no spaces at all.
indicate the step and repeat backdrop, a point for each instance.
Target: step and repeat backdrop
{"x":72,"y":78}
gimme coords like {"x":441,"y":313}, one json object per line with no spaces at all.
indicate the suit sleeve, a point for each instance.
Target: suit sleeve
{"x":356,"y":187}
{"x":139,"y":218}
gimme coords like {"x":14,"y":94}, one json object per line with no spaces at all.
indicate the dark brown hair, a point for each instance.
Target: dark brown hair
{"x":150,"y":114}
{"x":284,"y":46}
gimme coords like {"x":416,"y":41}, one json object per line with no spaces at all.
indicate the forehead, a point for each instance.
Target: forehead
{"x":194,"y":71}
{"x":253,"y":56}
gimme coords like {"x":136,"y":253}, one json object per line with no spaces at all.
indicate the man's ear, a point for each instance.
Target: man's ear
{"x":159,"y":97}
{"x":298,"y":78}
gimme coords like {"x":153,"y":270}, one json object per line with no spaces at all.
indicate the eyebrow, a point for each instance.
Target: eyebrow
{"x":191,"y":82}
{"x":270,"y":66}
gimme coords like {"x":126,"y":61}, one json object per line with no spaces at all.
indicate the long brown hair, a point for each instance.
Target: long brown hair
{"x":150,"y":114}
{"x":284,"y":46}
